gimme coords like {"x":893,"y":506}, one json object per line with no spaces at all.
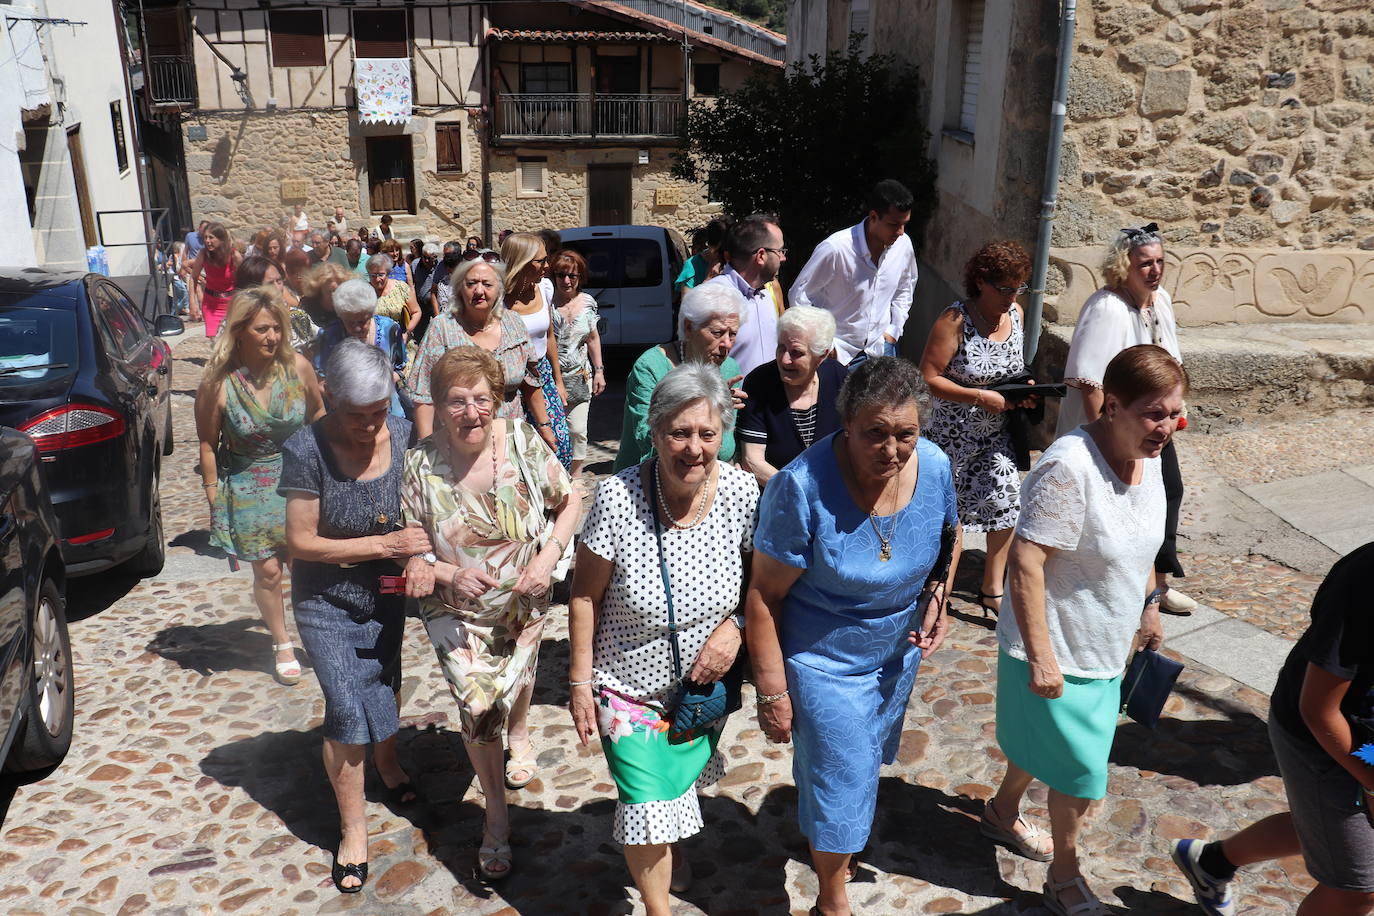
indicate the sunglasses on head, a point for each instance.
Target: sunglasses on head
{"x":1142,"y":232}
{"x":490,"y":257}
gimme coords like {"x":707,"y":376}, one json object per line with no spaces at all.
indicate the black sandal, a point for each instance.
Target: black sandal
{"x":351,"y":870}
{"x":983,"y":597}
{"x":395,"y":796}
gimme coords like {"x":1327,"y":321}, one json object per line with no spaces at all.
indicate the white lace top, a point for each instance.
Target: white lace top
{"x":1105,"y":534}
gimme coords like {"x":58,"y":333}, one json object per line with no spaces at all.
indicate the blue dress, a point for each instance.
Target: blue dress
{"x":843,"y":630}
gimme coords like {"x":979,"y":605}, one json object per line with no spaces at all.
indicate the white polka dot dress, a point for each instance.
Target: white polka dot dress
{"x":631,"y":650}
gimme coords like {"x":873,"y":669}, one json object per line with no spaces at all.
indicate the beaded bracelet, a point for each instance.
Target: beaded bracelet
{"x":579,"y":683}
{"x":770,"y":698}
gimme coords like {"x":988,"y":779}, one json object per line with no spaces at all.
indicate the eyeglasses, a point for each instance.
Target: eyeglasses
{"x":564,"y":275}
{"x":1012,"y":290}
{"x":372,"y":276}
{"x":780,"y":252}
{"x":490,"y":257}
{"x":540,"y":261}
{"x":481,"y":403}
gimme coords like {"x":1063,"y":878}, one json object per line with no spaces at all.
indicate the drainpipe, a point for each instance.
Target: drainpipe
{"x":487,"y":124}
{"x":1050,"y":192}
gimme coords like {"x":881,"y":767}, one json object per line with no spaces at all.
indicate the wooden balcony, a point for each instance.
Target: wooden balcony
{"x":586,"y":116}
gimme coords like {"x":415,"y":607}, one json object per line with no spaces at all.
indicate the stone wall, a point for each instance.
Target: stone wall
{"x":1243,"y":127}
{"x":564,"y":201}
{"x":236,"y":172}
{"x":236,"y":176}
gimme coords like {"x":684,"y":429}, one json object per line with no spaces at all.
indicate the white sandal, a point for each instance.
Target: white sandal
{"x":1090,"y":905}
{"x":497,"y":854}
{"x":1024,"y":844}
{"x":288,"y":673}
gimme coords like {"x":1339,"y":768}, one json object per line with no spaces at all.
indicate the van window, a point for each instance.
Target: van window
{"x":620,"y":263}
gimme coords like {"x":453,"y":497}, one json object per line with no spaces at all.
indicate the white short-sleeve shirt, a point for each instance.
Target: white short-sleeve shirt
{"x":631,"y":653}
{"x":1106,"y":534}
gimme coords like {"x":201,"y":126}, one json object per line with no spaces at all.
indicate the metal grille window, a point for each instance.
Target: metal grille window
{"x":531,"y":175}
{"x":973,"y":66}
{"x":448,"y":148}
{"x":297,"y":38}
{"x":381,"y":33}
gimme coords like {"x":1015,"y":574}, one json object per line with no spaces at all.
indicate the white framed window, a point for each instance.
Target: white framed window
{"x":972,"y":76}
{"x":530,"y":176}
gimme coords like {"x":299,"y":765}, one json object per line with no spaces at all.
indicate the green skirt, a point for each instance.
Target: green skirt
{"x":1065,"y":742}
{"x":657,"y":781}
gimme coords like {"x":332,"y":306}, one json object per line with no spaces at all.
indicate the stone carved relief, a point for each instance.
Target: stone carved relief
{"x":1250,"y":285}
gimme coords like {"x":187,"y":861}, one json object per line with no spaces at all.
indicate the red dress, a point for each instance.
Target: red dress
{"x":219,"y":287}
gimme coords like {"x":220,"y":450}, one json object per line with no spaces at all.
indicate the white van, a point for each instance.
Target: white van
{"x":631,"y":270}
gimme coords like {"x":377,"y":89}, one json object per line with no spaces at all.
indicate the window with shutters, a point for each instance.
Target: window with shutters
{"x":381,"y":33}
{"x":531,"y":176}
{"x":448,"y":148}
{"x":297,"y":38}
{"x":972,"y":79}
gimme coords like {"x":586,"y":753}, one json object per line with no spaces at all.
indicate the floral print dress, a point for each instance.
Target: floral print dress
{"x":248,"y":516}
{"x":488,"y":647}
{"x":976,"y":441}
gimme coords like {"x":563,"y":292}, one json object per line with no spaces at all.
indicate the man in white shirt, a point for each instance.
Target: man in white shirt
{"x":754,"y":253}
{"x":340,"y":223}
{"x":865,"y":276}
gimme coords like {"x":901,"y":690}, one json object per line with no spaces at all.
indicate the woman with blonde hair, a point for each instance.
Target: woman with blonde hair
{"x":317,"y":290}
{"x":497,"y":507}
{"x":210,"y":277}
{"x":526,"y":262}
{"x":256,"y":392}
{"x":1131,"y":308}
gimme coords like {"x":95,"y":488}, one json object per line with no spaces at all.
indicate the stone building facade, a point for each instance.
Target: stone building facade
{"x":516,"y":108}
{"x":1245,"y":128}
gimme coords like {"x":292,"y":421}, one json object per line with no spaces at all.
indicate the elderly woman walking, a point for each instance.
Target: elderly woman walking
{"x":664,"y":539}
{"x":1133,"y":308}
{"x":1092,"y":519}
{"x":851,"y":534}
{"x":341,"y":477}
{"x":255,"y":394}
{"x":579,"y":347}
{"x":395,"y":298}
{"x":355,"y":304}
{"x":496,"y":505}
{"x":479,"y":318}
{"x":975,"y":344}
{"x":791,"y":400}
{"x":707,"y":325}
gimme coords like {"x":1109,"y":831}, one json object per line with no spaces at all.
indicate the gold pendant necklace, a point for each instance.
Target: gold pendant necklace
{"x":885,"y":543}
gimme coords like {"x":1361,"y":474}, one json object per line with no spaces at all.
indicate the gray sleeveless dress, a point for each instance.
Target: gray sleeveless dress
{"x":352,"y":632}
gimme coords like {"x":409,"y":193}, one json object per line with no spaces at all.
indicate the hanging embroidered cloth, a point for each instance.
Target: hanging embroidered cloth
{"x":382,"y":85}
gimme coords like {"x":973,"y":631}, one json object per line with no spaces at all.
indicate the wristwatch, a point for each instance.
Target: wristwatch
{"x":429,"y":557}
{"x":739,"y":621}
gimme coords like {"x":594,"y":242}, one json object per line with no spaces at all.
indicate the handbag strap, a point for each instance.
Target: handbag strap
{"x":663,"y":570}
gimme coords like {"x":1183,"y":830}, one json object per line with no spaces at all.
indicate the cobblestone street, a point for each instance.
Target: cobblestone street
{"x":195,"y":785}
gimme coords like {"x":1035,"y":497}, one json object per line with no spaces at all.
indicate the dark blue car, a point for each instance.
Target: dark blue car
{"x":36,"y":689}
{"x":85,"y":375}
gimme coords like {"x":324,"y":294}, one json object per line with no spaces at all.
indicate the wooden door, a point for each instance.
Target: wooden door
{"x":83,"y":188}
{"x":608,"y":195}
{"x":390,"y":174}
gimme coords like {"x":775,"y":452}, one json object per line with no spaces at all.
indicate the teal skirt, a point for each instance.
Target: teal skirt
{"x":1065,"y":742}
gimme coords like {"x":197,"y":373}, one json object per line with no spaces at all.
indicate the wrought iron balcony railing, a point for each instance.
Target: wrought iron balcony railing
{"x":574,"y":115}
{"x":171,"y":79}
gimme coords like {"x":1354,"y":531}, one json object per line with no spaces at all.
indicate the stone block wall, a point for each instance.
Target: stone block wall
{"x":564,"y":201}
{"x":1243,"y":127}
{"x":236,"y":173}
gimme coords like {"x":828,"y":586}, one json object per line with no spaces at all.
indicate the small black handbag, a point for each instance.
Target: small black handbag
{"x":1146,"y":686}
{"x":695,"y":708}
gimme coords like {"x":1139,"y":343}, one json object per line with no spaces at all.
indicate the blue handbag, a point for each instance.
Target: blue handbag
{"x":696,"y":708}
{"x":1146,"y":686}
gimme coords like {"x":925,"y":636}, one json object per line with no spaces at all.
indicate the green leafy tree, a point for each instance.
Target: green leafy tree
{"x":809,"y":143}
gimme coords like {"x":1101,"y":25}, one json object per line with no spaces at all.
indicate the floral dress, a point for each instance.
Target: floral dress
{"x":488,"y":647}
{"x":573,"y":358}
{"x":976,"y":441}
{"x":393,"y":303}
{"x":248,"y":516}
{"x":514,"y":352}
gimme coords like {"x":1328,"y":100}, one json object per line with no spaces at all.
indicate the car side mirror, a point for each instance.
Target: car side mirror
{"x":168,"y":326}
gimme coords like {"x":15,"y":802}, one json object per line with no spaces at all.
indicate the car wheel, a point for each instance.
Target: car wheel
{"x":154,"y":553}
{"x":50,"y":691}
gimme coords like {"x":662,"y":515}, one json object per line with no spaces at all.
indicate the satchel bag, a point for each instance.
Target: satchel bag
{"x":1146,"y":686}
{"x":694,"y":708}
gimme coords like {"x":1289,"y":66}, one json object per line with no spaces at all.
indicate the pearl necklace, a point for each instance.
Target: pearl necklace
{"x":663,"y":500}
